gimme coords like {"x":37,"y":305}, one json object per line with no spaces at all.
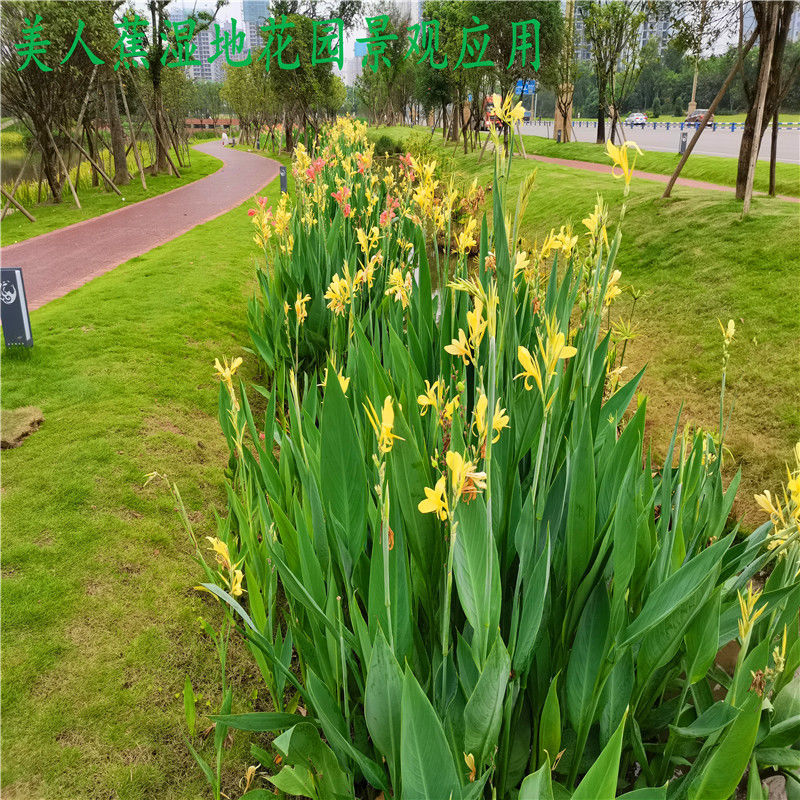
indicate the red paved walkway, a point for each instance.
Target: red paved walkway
{"x":648,"y":176}
{"x":58,"y":262}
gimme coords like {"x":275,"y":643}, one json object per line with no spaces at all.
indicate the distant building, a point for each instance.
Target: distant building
{"x":254,"y":15}
{"x":657,"y":25}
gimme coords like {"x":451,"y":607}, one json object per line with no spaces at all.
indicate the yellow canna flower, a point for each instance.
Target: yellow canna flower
{"x":612,"y":289}
{"x":383,"y":428}
{"x":400,"y":287}
{"x":463,"y":474}
{"x":476,"y":323}
{"x":469,"y":760}
{"x":339,"y":294}
{"x":728,"y":333}
{"x":460,"y":347}
{"x":530,"y":369}
{"x":221,"y":551}
{"x":432,"y":398}
{"x":300,"y":307}
{"x":235,"y":583}
{"x":225,"y":374}
{"x":749,"y":614}
{"x":619,"y":155}
{"x":435,"y":501}
{"x":499,"y":419}
{"x":465,"y":240}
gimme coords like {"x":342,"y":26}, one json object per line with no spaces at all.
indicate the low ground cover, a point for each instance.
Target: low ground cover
{"x":713,"y":169}
{"x":97,"y":200}
{"x":99,"y":615}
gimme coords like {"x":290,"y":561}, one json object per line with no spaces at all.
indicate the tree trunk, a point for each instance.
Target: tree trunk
{"x":92,"y":150}
{"x":121,"y":174}
{"x":773,"y":153}
{"x":768,"y":32}
{"x":287,"y":125}
{"x":601,"y":121}
{"x":50,"y":167}
{"x":711,"y":109}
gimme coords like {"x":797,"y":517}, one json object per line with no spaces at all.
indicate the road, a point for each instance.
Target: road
{"x":58,"y":262}
{"x":720,"y":142}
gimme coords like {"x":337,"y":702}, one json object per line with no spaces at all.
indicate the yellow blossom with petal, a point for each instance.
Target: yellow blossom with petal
{"x":300,"y":307}
{"x":400,"y":287}
{"x":619,"y":155}
{"x":460,"y":347}
{"x":225,"y":374}
{"x":747,"y":608}
{"x":435,"y":501}
{"x":432,"y":397}
{"x":383,"y":427}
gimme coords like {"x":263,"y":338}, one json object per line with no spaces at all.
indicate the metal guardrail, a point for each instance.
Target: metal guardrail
{"x":726,"y":126}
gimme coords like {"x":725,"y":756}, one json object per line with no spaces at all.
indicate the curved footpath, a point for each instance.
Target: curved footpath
{"x":58,"y":262}
{"x":591,"y":166}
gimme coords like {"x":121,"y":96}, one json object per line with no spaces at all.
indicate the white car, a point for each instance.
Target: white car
{"x":636,"y":119}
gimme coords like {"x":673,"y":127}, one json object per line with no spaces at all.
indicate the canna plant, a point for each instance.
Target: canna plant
{"x":463,"y":574}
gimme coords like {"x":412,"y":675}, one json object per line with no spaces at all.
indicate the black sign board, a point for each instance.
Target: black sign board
{"x":284,"y":187}
{"x":14,"y":309}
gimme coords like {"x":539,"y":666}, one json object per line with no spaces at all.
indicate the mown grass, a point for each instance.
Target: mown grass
{"x":695,"y":260}
{"x":712,"y":169}
{"x":100,"y":618}
{"x":97,"y":200}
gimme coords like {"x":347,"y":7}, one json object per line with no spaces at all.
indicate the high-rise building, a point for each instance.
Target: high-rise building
{"x":657,"y":25}
{"x":254,"y":15}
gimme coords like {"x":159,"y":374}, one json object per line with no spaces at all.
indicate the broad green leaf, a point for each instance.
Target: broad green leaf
{"x":550,"y":725}
{"x":780,"y":757}
{"x":261,"y":721}
{"x":721,"y":775}
{"x":537,"y":786}
{"x":713,"y":719}
{"x":647,"y":793}
{"x":755,"y":791}
{"x":188,"y":706}
{"x":383,"y":696}
{"x":344,"y":480}
{"x":675,"y":589}
{"x":782,"y":734}
{"x":295,"y":781}
{"x":426,"y":763}
{"x":586,"y":657}
{"x":600,"y":782}
{"x":484,"y":710}
{"x":701,"y":639}
{"x":470,"y":567}
{"x":582,"y":505}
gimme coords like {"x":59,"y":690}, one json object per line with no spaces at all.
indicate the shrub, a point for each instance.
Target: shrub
{"x":489,"y":585}
{"x":656,"y":107}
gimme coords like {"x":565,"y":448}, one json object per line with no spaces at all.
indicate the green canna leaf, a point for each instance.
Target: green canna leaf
{"x":586,"y":658}
{"x":484,"y":710}
{"x":721,"y":775}
{"x":344,"y":480}
{"x":600,"y":782}
{"x":537,"y":786}
{"x":383,"y":696}
{"x":426,"y":763}
{"x":550,"y":726}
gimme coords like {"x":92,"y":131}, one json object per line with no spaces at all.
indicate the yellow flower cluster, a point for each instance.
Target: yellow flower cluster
{"x":231,"y":574}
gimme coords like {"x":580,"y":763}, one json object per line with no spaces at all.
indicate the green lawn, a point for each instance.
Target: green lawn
{"x":713,"y":169}
{"x":694,"y":260}
{"x":99,"y":614}
{"x":100,"y":200}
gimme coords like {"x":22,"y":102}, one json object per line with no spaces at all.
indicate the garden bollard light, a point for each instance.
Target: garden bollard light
{"x":681,"y":126}
{"x":682,"y":145}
